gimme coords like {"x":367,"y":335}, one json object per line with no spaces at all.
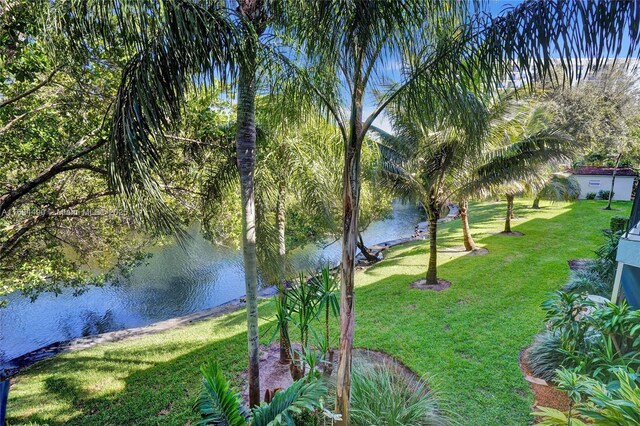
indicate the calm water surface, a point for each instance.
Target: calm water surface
{"x":175,"y":282}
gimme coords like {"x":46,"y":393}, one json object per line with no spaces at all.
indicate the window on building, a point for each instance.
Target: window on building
{"x":594,"y":183}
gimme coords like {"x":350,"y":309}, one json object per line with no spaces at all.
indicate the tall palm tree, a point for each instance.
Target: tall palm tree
{"x":176,"y":46}
{"x":421,"y":160}
{"x":356,"y":44}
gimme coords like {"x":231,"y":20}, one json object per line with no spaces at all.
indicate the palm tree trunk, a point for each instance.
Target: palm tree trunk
{"x":350,"y":205}
{"x":536,"y":203}
{"x":469,"y":244}
{"x":433,"y":213}
{"x":613,"y":181}
{"x":365,"y":251}
{"x":281,"y":218}
{"x":507,"y":222}
{"x":246,"y":153}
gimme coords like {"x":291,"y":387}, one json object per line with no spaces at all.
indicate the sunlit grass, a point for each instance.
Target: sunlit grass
{"x":468,"y":337}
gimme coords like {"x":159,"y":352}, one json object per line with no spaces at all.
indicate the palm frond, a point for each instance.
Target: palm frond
{"x":217,"y":403}
{"x":300,"y":395}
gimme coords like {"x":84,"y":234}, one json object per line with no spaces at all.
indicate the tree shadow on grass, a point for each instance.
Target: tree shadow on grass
{"x":158,"y":381}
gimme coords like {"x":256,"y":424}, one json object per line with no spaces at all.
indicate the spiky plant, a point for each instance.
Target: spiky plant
{"x":382,"y":395}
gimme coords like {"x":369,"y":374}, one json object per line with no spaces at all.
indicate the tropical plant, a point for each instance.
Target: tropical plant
{"x":590,"y":196}
{"x":420,"y":160}
{"x":588,"y":280}
{"x":596,"y":402}
{"x":171,"y":41}
{"x":383,"y":395}
{"x":605,"y":263}
{"x":558,"y":188}
{"x":618,"y":224}
{"x":304,"y":306}
{"x":545,"y":355}
{"x":220,"y":405}
{"x":326,"y":286}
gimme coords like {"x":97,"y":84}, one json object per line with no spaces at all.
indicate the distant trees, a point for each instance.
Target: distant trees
{"x":602,"y":115}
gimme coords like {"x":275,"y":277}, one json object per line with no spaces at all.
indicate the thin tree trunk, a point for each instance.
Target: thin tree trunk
{"x":536,"y":203}
{"x":613,"y":181}
{"x":365,"y":251}
{"x":246,"y":153}
{"x":433,"y":213}
{"x":281,"y":217}
{"x":469,"y":244}
{"x":350,"y":199}
{"x":507,"y":222}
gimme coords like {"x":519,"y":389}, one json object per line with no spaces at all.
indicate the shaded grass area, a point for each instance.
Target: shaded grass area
{"x":467,"y":337}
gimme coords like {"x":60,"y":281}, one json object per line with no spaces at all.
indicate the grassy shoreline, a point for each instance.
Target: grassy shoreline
{"x":466,"y":338}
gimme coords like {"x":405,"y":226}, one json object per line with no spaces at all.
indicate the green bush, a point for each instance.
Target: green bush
{"x":382,"y":395}
{"x":590,"y":196}
{"x":545,"y":355}
{"x":589,"y":281}
{"x":603,"y":194}
{"x":618,"y":224}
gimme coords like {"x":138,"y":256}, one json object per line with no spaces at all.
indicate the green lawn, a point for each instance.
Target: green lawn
{"x":466,"y":338}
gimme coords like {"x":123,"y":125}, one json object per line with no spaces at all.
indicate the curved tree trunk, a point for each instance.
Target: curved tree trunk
{"x":536,"y":203}
{"x":433,"y":214}
{"x":613,"y":181}
{"x":469,"y":244}
{"x":507,"y":222}
{"x":350,"y":205}
{"x":365,"y":251}
{"x":246,"y":153}
{"x":281,"y":217}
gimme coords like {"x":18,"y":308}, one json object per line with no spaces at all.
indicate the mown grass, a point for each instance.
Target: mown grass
{"x":466,"y":338}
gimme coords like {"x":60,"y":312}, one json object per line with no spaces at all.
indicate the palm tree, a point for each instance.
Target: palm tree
{"x":295,"y":166}
{"x":557,"y":187}
{"x":356,"y":44}
{"x":521,"y":146}
{"x":421,"y":162}
{"x":173,"y":47}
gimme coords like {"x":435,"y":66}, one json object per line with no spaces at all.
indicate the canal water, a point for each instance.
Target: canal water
{"x":174,"y":282}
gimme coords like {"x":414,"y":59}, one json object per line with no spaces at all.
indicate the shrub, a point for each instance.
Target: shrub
{"x":589,"y":281}
{"x":545,"y":355}
{"x":603,"y":194}
{"x":618,"y":224}
{"x":590,"y":196}
{"x":382,"y":395}
{"x":606,"y":264}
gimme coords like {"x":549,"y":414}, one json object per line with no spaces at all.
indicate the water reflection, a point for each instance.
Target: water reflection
{"x":174,"y":282}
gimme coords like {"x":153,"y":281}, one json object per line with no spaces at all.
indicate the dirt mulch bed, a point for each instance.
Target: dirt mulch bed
{"x":274,"y":375}
{"x":578,"y":264}
{"x":545,"y":394}
{"x":510,"y":234}
{"x":422,"y":285}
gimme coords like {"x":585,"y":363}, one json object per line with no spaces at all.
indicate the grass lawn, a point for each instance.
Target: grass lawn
{"x":466,"y":338}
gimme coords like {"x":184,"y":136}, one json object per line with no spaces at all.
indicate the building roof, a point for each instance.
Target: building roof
{"x":603,"y":171}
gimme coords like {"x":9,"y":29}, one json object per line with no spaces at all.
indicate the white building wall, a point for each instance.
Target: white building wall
{"x":595,"y":183}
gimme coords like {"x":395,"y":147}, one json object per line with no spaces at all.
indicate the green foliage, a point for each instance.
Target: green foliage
{"x":383,"y":395}
{"x":590,"y":196}
{"x":588,"y":280}
{"x":606,"y":263}
{"x":616,"y":404}
{"x":618,"y":224}
{"x":220,"y":406}
{"x":545,"y":355}
{"x":160,"y":384}
{"x":603,"y":194}
{"x":560,"y":188}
